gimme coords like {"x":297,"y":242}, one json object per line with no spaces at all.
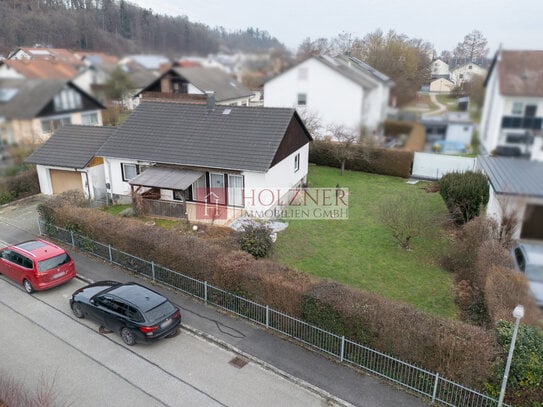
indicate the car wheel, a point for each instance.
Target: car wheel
{"x":77,"y":310}
{"x":128,"y":336}
{"x":27,"y":286}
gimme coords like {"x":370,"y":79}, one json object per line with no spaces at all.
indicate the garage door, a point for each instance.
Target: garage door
{"x":532,"y":227}
{"x":65,"y":180}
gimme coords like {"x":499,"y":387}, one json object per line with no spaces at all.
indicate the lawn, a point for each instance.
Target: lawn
{"x":360,"y":252}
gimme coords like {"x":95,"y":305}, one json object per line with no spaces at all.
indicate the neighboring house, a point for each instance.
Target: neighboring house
{"x":513,"y":110}
{"x":516,"y":186}
{"x":440,"y":69}
{"x":34,"y":108}
{"x":68,"y":161}
{"x":454,"y":127}
{"x":341,"y":91}
{"x":465,"y":73}
{"x":199,"y":81}
{"x":148,"y":62}
{"x":56,"y":54}
{"x":47,"y":69}
{"x":197,"y":161}
{"x":441,"y":85}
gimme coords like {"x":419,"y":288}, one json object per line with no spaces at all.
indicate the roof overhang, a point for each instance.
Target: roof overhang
{"x":167,"y":178}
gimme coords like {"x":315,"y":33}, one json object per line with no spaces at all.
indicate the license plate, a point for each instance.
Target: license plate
{"x":166,"y":323}
{"x":59,"y":274}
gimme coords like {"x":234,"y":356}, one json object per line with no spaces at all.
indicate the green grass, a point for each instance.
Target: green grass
{"x":362,"y":253}
{"x":116,"y":209}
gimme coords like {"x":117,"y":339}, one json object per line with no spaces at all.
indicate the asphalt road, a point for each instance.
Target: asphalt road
{"x":336,"y":383}
{"x":41,"y":339}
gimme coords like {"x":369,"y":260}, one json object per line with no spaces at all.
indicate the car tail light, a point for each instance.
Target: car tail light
{"x":177,"y":314}
{"x":148,"y":330}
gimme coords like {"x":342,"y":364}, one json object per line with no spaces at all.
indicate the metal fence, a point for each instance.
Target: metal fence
{"x":428,"y":384}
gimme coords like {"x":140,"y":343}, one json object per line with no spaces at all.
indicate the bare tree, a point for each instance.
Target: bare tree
{"x":312,"y":122}
{"x":473,"y":46}
{"x":343,"y":141}
{"x":407,"y":216}
{"x":308,"y":48}
{"x":446,"y":56}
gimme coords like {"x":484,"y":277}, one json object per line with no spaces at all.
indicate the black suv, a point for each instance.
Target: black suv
{"x":137,"y":313}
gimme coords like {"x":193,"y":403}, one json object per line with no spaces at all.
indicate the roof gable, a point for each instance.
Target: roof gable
{"x":227,"y":137}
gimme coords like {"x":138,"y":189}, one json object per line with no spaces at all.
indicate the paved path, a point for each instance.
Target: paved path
{"x":337,"y":382}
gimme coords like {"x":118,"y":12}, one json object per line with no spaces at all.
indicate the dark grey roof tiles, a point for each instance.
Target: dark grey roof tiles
{"x":513,"y":176}
{"x":213,"y":79}
{"x":228,"y":137}
{"x":29,"y":98}
{"x":71,"y":146}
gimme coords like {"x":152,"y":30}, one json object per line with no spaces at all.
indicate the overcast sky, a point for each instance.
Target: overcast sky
{"x":516,"y":24}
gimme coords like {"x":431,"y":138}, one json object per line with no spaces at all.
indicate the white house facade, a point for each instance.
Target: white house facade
{"x":465,"y":73}
{"x":440,"y":69}
{"x":341,"y":91}
{"x":512,"y":116}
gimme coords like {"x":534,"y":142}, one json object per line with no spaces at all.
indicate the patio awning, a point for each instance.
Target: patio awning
{"x":167,"y":178}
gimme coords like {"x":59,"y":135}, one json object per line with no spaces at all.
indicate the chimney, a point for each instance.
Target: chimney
{"x":210,"y":98}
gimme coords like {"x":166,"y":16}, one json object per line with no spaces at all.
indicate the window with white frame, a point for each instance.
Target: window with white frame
{"x":517,"y":108}
{"x":50,"y":124}
{"x":199,"y":190}
{"x":296,"y":162}
{"x":216,"y":188}
{"x":235,"y":190}
{"x":302,"y":99}
{"x":89,"y":119}
{"x":129,"y":171}
{"x":68,"y":99}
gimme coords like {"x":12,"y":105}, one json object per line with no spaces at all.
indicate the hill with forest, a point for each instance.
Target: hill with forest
{"x":117,"y":27}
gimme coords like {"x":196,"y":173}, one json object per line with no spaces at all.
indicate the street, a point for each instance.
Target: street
{"x":336,"y":383}
{"x":40,"y":338}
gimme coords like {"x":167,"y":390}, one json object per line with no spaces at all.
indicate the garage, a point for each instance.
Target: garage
{"x":63,"y":181}
{"x":532,"y":226}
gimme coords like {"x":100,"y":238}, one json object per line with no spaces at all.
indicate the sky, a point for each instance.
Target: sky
{"x":515,"y":24}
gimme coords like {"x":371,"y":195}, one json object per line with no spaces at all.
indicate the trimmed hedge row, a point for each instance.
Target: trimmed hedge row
{"x":19,"y":186}
{"x":456,"y":350}
{"x":397,"y":163}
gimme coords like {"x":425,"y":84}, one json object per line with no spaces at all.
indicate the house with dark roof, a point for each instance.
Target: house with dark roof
{"x":512,"y":118}
{"x":203,"y":162}
{"x":341,"y":91}
{"x":68,"y":161}
{"x":197,"y":80}
{"x":516,"y":188}
{"x":34,"y":108}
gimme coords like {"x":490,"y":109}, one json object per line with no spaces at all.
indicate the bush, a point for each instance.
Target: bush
{"x":256,"y":240}
{"x":525,"y":384}
{"x":21,"y":185}
{"x":464,"y":193}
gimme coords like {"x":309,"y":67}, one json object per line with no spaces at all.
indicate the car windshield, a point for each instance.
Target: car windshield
{"x":534,"y":273}
{"x":53,"y":262}
{"x":160,"y":312}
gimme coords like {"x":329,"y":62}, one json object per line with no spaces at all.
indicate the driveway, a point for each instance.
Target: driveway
{"x":336,"y":383}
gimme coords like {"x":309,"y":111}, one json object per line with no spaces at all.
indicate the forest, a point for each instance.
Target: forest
{"x":117,"y":27}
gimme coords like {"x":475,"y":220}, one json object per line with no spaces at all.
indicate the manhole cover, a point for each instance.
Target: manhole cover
{"x":239,"y":362}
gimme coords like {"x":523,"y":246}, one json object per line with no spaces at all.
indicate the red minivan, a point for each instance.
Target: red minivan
{"x":36,"y":264}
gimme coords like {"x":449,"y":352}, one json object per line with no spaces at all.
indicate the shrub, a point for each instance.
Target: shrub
{"x":464,"y":193}
{"x":525,"y":383}
{"x":256,"y":240}
{"x":21,"y":185}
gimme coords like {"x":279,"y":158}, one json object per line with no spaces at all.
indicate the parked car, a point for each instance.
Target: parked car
{"x":135,"y":312}
{"x":36,"y":264}
{"x":528,"y":258}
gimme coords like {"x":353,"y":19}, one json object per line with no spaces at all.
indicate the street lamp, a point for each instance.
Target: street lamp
{"x":518,"y":313}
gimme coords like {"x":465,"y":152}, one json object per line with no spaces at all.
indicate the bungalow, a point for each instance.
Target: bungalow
{"x":34,"y":108}
{"x":196,"y":161}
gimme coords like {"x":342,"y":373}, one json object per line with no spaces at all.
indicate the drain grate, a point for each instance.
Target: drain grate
{"x":238,"y":362}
